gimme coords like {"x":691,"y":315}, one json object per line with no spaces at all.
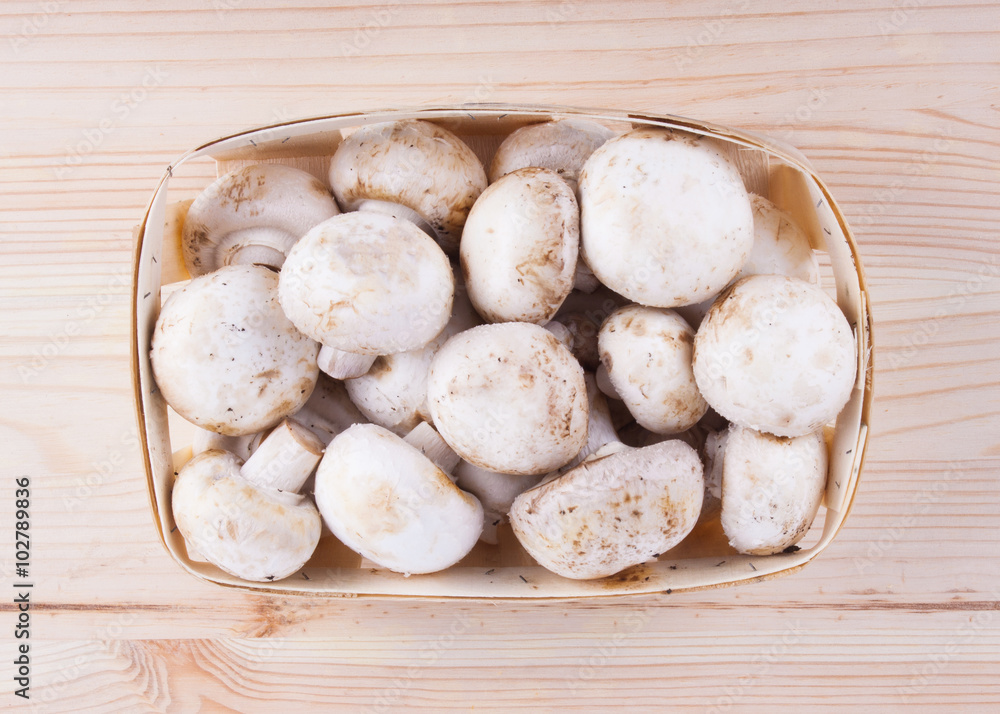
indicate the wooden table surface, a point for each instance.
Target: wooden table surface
{"x":896,"y":104}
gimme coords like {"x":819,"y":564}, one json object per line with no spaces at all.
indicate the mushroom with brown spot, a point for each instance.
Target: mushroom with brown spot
{"x":618,"y":508}
{"x":509,"y":397}
{"x":365,"y":284}
{"x":562,"y":146}
{"x":665,"y":217}
{"x":519,"y":247}
{"x":646,"y":353}
{"x":772,"y":487}
{"x":775,"y":354}
{"x":387,"y":500}
{"x":226,"y":357}
{"x":248,"y":518}
{"x":253,"y":215}
{"x":412,"y":170}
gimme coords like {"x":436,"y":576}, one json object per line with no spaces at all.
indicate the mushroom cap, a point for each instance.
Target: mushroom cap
{"x":665,"y":217}
{"x":520,"y":245}
{"x":367,"y":283}
{"x":414,"y":163}
{"x":775,"y":354}
{"x":270,"y":205}
{"x":772,"y":487}
{"x":390,"y":503}
{"x":226,"y":358}
{"x":612,"y":511}
{"x":647,"y":352}
{"x":248,"y":532}
{"x":562,"y":146}
{"x":509,"y":397}
{"x":780,"y":246}
{"x":393,"y":393}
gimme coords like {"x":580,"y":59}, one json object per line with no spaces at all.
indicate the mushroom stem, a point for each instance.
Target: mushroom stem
{"x":496,"y":491}
{"x":604,"y":382}
{"x":243,"y":446}
{"x":600,"y":430}
{"x":424,"y":438}
{"x":329,"y":410}
{"x":397,"y":210}
{"x":584,"y":279}
{"x":343,"y":365}
{"x":284,"y":459}
{"x":260,"y":245}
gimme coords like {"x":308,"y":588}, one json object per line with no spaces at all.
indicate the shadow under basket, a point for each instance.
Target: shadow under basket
{"x":703,"y":560}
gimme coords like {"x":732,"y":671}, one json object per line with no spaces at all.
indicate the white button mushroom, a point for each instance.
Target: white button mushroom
{"x":647,"y":354}
{"x":497,"y":491}
{"x":562,"y":146}
{"x":775,"y":354}
{"x":780,"y":247}
{"x":409,"y":169}
{"x":384,"y":499}
{"x":253,"y":215}
{"x":368,"y":284}
{"x":247,"y":518}
{"x":520,"y":245}
{"x":666,"y":219}
{"x":393,"y":393}
{"x":618,"y":508}
{"x":509,"y":397}
{"x":226,"y":358}
{"x":772,"y":488}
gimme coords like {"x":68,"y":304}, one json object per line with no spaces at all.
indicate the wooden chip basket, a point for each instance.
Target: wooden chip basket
{"x":703,"y":560}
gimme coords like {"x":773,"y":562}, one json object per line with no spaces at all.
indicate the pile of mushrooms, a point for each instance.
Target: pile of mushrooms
{"x":599,"y":340}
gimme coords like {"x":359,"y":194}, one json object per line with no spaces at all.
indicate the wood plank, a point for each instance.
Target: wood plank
{"x":895,"y":103}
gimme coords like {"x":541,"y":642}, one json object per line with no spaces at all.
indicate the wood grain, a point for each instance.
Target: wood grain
{"x":896,"y":105}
